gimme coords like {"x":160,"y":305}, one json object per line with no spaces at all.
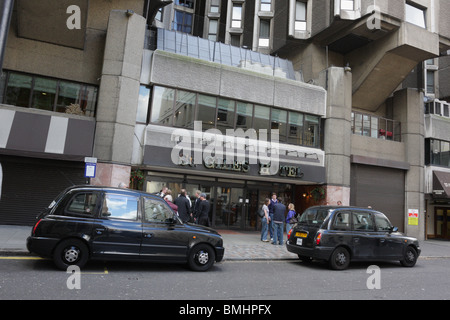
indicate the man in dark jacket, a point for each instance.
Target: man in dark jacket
{"x":184,"y":206}
{"x":203,"y":211}
{"x":279,"y":210}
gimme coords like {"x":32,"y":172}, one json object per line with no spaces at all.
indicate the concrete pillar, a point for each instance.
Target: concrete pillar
{"x":338,"y":135}
{"x":118,"y":97}
{"x":408,"y":108}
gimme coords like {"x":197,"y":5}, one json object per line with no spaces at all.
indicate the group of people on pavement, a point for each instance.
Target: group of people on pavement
{"x":274,"y":219}
{"x":197,"y":213}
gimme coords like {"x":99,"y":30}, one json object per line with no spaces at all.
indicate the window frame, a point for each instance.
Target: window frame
{"x":66,"y":206}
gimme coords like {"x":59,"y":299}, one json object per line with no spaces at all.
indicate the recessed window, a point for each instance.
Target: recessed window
{"x":215,"y":6}
{"x":264,"y":33}
{"x":236,"y":16}
{"x":182,"y":21}
{"x":415,"y":15}
{"x":185,"y":3}
{"x":29,"y":91}
{"x":266,"y":5}
{"x":300,"y":16}
{"x":347,"y":5}
{"x":212,"y":30}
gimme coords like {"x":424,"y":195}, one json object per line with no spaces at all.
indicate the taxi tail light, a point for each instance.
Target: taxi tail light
{"x":35,"y":226}
{"x":289,"y":234}
{"x":318,"y":238}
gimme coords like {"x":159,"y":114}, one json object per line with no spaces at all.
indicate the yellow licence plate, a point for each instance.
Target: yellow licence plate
{"x":301,"y":235}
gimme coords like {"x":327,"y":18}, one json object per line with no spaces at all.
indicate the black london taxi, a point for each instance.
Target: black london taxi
{"x":88,"y":222}
{"x":342,"y":234}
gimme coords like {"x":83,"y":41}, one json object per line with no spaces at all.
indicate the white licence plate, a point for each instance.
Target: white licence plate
{"x":299,"y":242}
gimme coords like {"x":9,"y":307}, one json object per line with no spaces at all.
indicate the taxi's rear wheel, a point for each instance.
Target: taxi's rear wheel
{"x":340,"y":259}
{"x":201,"y":257}
{"x":70,"y":252}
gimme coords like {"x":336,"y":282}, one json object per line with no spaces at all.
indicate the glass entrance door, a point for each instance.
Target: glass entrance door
{"x":442,"y":220}
{"x":229,"y":207}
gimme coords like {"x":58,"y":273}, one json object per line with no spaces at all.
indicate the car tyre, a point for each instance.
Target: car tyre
{"x":201,"y":257}
{"x":409,"y":257}
{"x":340,"y":259}
{"x":70,"y":252}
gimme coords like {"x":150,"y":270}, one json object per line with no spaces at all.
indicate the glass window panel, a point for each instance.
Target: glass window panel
{"x":366,"y":125}
{"x":430,"y":81}
{"x":118,"y":206}
{"x":215,"y":6}
{"x":162,"y":106}
{"x":435,"y":151}
{"x":185,"y":3}
{"x":415,"y":15}
{"x":347,"y":5}
{"x":244,"y":114}
{"x":445,"y":153}
{"x":278,"y":121}
{"x":206,"y":111}
{"x":184,"y":109}
{"x":374,"y":128}
{"x":358,"y":123}
{"x":182,"y":21}
{"x":300,"y":11}
{"x":142,"y":109}
{"x":83,"y":203}
{"x":89,"y":100}
{"x":266,"y":5}
{"x":295,"y":128}
{"x":236,"y":16}
{"x":261,"y":119}
{"x":264,"y":31}
{"x":44,"y":92}
{"x":225,"y":115}
{"x":311,"y":136}
{"x":18,"y":90}
{"x":156,"y":211}
{"x":68,"y":93}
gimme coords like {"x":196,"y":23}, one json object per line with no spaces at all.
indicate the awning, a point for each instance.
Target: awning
{"x":441,"y":184}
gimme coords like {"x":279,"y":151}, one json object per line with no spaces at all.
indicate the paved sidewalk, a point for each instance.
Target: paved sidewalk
{"x":239,"y":245}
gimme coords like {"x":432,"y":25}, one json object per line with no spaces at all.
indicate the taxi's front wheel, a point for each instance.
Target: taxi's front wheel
{"x":201,"y":257}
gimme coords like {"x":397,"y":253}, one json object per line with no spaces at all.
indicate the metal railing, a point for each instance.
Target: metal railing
{"x":196,"y":47}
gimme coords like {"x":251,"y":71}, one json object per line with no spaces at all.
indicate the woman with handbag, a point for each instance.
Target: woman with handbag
{"x":290,"y":218}
{"x":265,"y":220}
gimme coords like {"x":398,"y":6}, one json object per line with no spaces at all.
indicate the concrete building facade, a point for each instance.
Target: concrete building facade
{"x":153,"y":86}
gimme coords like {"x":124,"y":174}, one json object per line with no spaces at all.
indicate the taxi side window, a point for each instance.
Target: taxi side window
{"x":362,"y":221}
{"x":156,"y":211}
{"x":342,"y":221}
{"x":120,"y":206}
{"x":382,"y":223}
{"x":83,"y":203}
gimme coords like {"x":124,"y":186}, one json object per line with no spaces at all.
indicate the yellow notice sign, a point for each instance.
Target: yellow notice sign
{"x":413,"y":217}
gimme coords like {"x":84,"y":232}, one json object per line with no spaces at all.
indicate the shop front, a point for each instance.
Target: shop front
{"x":438,"y":205}
{"x":236,"y":188}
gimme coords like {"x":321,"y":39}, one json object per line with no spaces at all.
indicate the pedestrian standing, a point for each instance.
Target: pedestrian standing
{"x":169,"y":200}
{"x":196,"y":206}
{"x":265,"y":220}
{"x":184,"y":206}
{"x":203,"y":212}
{"x":273,"y":201}
{"x":279,"y":210}
{"x":290,"y":216}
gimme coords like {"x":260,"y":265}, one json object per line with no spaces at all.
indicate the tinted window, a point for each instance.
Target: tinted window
{"x":342,"y":221}
{"x":314,"y":216}
{"x":363,"y":221}
{"x":382,"y":223}
{"x":119,"y":206}
{"x":83,"y":203}
{"x":156,"y":211}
